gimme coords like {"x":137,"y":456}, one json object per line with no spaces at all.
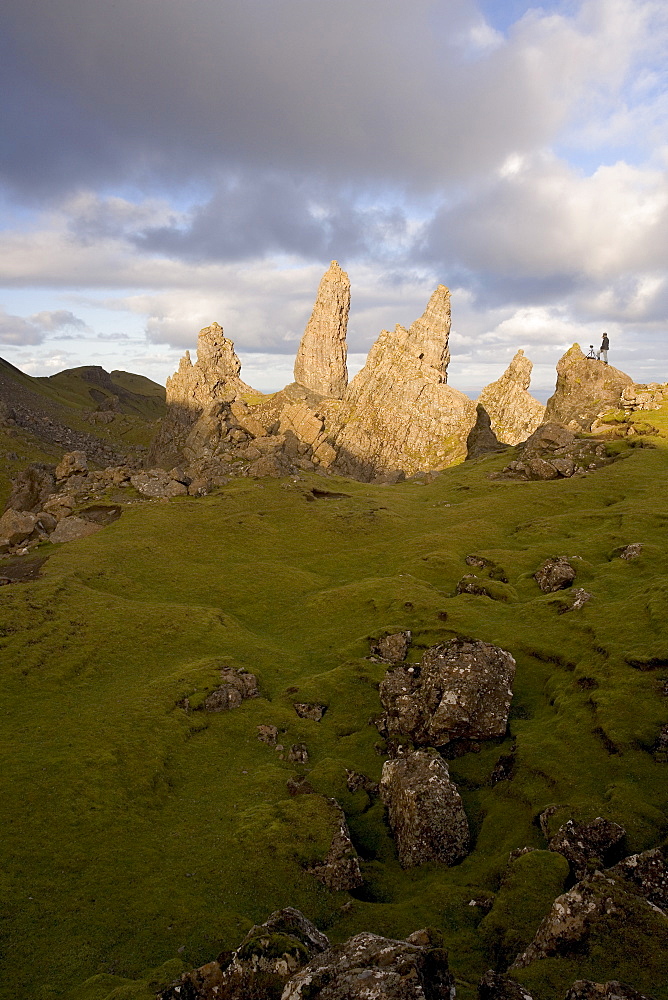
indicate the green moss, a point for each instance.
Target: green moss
{"x":132,"y":829}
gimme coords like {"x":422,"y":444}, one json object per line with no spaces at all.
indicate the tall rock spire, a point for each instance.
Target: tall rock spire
{"x":321,"y":359}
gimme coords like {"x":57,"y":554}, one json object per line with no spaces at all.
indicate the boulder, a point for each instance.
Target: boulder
{"x":268,"y":955}
{"x":632,"y":551}
{"x":268,"y":734}
{"x":370,"y":967}
{"x":391,"y":648}
{"x":298,"y":753}
{"x":494,"y":986}
{"x":74,"y":463}
{"x":424,"y":809}
{"x":321,"y":359}
{"x":236,"y":686}
{"x":71,"y":529}
{"x":340,"y":870}
{"x":646,"y":874}
{"x":586,"y":845}
{"x":460,"y":690}
{"x":584,"y":989}
{"x":31,"y":487}
{"x":398,"y":414}
{"x":513,"y":412}
{"x":355,"y":781}
{"x":555,"y":574}
{"x":306,"y":710}
{"x":586,"y":389}
{"x":156,"y":483}
{"x":17,"y":526}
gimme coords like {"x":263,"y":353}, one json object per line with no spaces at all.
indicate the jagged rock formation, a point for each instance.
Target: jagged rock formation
{"x":553,"y":452}
{"x":513,"y":412}
{"x":398,"y":413}
{"x":586,"y":389}
{"x":321,"y":359}
{"x":424,"y":809}
{"x":460,"y":690}
{"x":214,"y":378}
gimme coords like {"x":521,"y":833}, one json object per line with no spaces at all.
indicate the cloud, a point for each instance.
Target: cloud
{"x":16,"y":330}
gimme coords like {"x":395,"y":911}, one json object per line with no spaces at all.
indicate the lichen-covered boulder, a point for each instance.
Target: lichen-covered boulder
{"x":391,"y":648}
{"x":340,"y":870}
{"x":370,"y":967}
{"x":584,"y":989}
{"x":586,"y":389}
{"x":495,"y":986}
{"x":424,"y":809}
{"x":74,"y":463}
{"x":268,"y":955}
{"x":555,"y":574}
{"x":586,"y":845}
{"x":17,"y":526}
{"x":459,"y":690}
{"x":647,"y":874}
{"x":236,"y":686}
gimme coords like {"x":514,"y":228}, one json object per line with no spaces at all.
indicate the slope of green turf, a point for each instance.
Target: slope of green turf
{"x":136,"y":833}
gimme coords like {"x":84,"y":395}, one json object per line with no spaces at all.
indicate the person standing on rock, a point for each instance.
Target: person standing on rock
{"x":605,"y":347}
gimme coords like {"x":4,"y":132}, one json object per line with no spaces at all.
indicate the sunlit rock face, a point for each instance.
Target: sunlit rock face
{"x":398,"y":413}
{"x":213,"y":378}
{"x":585,"y":390}
{"x":513,"y":412}
{"x":321,"y":360}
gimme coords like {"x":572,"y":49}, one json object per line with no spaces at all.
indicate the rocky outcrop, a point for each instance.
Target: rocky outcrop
{"x":391,"y":648}
{"x":310,"y":710}
{"x":236,"y":686}
{"x":266,"y":958}
{"x":554,"y":574}
{"x":398,"y":413}
{"x":340,"y":870}
{"x":494,"y":986}
{"x":370,"y":967}
{"x":424,"y":809}
{"x":513,"y":412}
{"x":647,"y":874}
{"x":554,"y":452}
{"x":215,"y":377}
{"x":586,"y":389}
{"x":460,"y":690}
{"x":586,"y":845}
{"x":321,"y":359}
{"x":585,"y":989}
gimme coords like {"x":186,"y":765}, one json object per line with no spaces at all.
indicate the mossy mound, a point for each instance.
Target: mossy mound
{"x":137,"y":833}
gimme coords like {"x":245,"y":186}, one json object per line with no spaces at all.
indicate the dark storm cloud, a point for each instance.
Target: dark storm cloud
{"x":144,"y":89}
{"x":260,"y":214}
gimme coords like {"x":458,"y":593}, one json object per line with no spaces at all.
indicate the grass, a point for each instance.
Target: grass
{"x":137,"y":834}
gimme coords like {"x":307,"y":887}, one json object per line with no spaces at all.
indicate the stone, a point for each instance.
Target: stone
{"x":513,"y":412}
{"x":74,"y":463}
{"x":585,"y":989}
{"x":340,"y":870}
{"x":631,"y":551}
{"x":586,"y":845}
{"x":398,"y":414}
{"x":549,"y":437}
{"x":268,"y":734}
{"x":392,"y":648}
{"x":370,"y":967}
{"x":156,"y":483}
{"x":269,"y":954}
{"x":298,"y":753}
{"x":307,"y":710}
{"x":555,"y":574}
{"x":275,"y":466}
{"x":72,"y":529}
{"x":481,"y":439}
{"x":17,"y":526}
{"x":355,"y":781}
{"x":586,"y":389}
{"x":31,"y":487}
{"x":46,"y":522}
{"x":576,"y":600}
{"x":460,"y":690}
{"x":60,"y":505}
{"x":646,"y":874}
{"x":424,"y":809}
{"x":236,"y":686}
{"x":494,"y":986}
{"x":539,"y":468}
{"x":320,"y":364}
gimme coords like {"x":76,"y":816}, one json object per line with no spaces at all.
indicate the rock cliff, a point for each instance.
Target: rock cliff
{"x":321,"y":359}
{"x":514,"y":413}
{"x":585,"y":390}
{"x":398,"y":413}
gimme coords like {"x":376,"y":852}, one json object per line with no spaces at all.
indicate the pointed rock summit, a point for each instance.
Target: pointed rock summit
{"x":585,"y":390}
{"x":398,"y":413}
{"x":513,"y":412}
{"x":214,"y":378}
{"x":321,"y":360}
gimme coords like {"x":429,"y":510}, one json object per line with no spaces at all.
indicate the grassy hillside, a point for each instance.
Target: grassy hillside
{"x":137,"y":834}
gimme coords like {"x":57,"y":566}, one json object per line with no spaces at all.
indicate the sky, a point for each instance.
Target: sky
{"x":165,"y":164}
